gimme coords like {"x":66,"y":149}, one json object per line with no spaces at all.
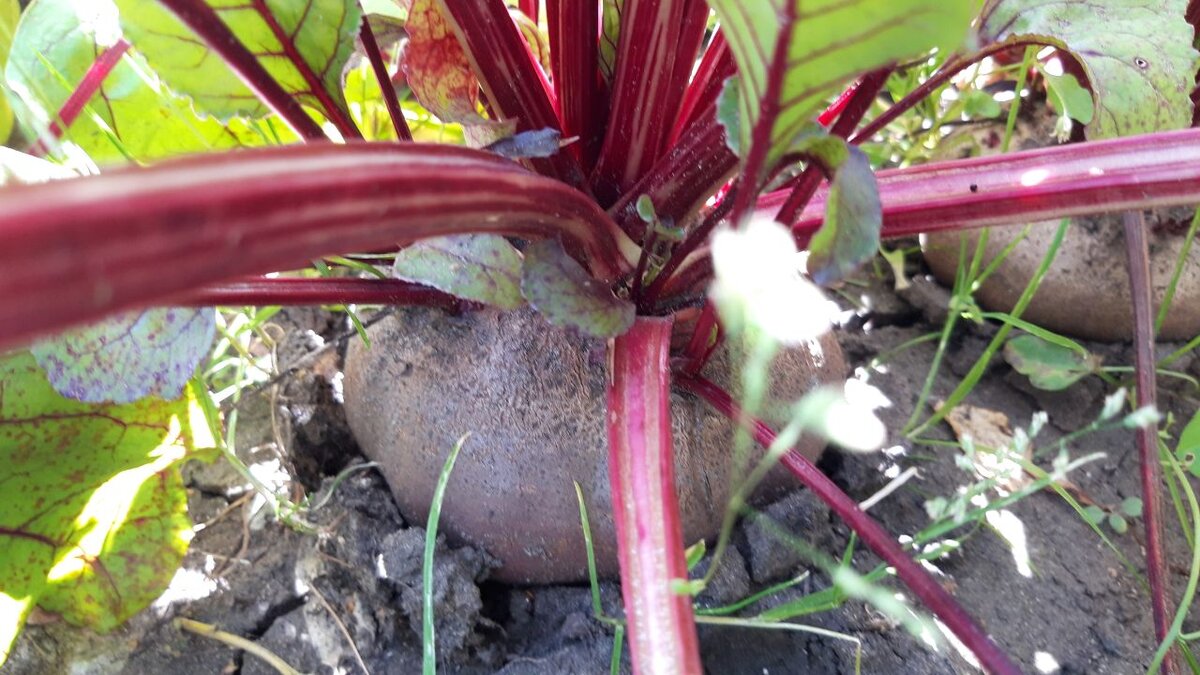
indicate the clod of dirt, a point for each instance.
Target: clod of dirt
{"x":533,"y":399}
{"x":1086,"y":292}
{"x":456,"y":598}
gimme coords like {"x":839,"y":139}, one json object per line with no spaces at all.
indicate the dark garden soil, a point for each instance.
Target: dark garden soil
{"x":349,"y":597}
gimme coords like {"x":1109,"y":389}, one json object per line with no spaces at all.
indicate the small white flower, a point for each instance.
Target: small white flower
{"x":759,"y":282}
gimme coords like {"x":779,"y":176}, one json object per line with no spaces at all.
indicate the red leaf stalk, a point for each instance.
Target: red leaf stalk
{"x":661,"y":627}
{"x":92,"y":80}
{"x":262,"y":291}
{"x":202,"y":18}
{"x":385,"y":82}
{"x":1138,"y":254}
{"x":80,"y":248}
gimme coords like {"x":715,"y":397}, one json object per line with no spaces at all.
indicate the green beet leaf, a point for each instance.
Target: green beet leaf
{"x":558,"y":287}
{"x":93,"y":524}
{"x":132,"y":116}
{"x":1049,"y":366}
{"x":1137,"y":55}
{"x":853,"y":214}
{"x":129,"y":356}
{"x":823,"y":45}
{"x":480,"y":267}
{"x":303,"y":44}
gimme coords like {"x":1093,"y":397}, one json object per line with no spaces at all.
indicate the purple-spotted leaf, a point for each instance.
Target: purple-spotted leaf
{"x":853,"y":214}
{"x":303,"y":44}
{"x":559,"y":288}
{"x":93,"y":524}
{"x":480,"y":267}
{"x":129,"y":356}
{"x":814,"y":47}
{"x":1137,"y":55}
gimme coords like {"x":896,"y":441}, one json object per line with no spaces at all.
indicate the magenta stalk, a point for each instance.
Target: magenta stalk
{"x":923,"y":585}
{"x":661,"y":627}
{"x":1138,"y":254}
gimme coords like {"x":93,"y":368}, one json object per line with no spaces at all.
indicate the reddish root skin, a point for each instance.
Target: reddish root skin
{"x":1138,"y":256}
{"x":925,"y":587}
{"x":661,"y":626}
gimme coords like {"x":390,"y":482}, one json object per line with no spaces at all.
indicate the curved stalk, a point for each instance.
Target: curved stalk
{"x":77,"y":249}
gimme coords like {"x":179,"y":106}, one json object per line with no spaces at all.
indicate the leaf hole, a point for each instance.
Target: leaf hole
{"x":1141,"y":63}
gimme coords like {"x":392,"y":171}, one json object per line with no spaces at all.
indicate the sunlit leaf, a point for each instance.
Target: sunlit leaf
{"x":129,"y":356}
{"x":824,"y":44}
{"x":1048,"y":366}
{"x":1137,"y":55}
{"x":480,"y":267}
{"x":131,"y":116}
{"x":94,"y":520}
{"x":558,"y":287}
{"x":853,"y":214}
{"x":10,"y":13}
{"x":303,"y":44}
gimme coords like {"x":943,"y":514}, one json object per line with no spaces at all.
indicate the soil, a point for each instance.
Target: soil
{"x":348,"y":597}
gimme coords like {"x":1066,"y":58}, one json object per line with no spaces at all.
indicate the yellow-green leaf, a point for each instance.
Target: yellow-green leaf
{"x":94,"y":521}
{"x":820,"y":46}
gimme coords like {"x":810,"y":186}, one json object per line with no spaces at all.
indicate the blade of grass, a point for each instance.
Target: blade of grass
{"x":428,"y":645}
{"x":968,"y":383}
{"x":1180,"y":264}
{"x":1189,"y":593}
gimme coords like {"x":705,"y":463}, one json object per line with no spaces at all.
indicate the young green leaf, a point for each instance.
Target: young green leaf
{"x":1137,"y":55}
{"x":853,"y":214}
{"x":129,"y":356}
{"x":729,"y":114}
{"x":1188,"y":449}
{"x":1118,"y":523}
{"x":131,"y":116}
{"x":810,"y":48}
{"x":94,"y":521}
{"x":559,"y":288}
{"x":1048,"y":366}
{"x":480,"y":267}
{"x":303,"y":44}
{"x":1132,"y":507}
